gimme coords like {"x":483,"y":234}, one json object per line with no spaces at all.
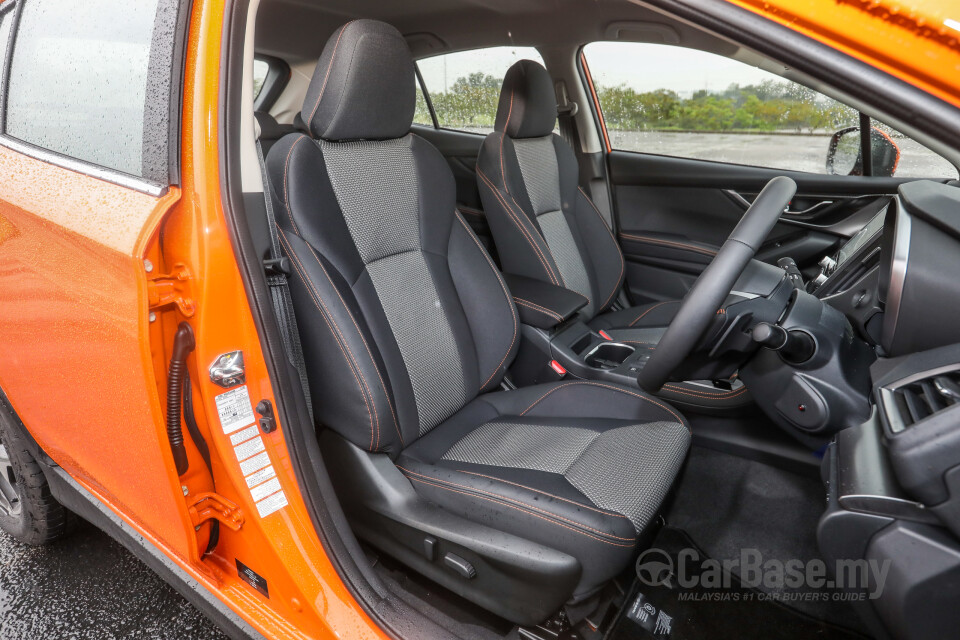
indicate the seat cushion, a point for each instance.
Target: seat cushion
{"x":582,"y":467}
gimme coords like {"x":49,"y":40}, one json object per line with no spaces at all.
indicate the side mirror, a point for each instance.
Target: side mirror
{"x":845,"y":159}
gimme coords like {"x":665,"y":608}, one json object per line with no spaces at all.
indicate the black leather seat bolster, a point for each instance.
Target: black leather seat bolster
{"x":542,"y":304}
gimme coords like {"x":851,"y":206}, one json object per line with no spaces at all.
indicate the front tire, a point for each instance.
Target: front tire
{"x":28,"y":511}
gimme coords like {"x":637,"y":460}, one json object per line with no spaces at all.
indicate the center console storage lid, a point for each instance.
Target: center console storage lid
{"x":541,"y":304}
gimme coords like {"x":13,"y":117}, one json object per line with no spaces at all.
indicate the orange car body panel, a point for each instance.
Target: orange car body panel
{"x":84,"y":366}
{"x":917,"y":41}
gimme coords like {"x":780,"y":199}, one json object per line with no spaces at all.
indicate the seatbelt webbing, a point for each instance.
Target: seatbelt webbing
{"x":280,"y":289}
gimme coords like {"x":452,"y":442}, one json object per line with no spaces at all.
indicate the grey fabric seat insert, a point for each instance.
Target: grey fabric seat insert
{"x":385,"y":226}
{"x":592,"y":461}
{"x":541,"y":177}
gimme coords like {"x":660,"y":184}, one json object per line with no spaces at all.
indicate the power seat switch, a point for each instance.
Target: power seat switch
{"x":460,"y":566}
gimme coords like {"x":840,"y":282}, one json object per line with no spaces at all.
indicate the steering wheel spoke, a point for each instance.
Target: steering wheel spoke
{"x":715,"y":283}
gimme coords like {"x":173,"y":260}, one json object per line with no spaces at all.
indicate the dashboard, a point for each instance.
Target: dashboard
{"x":898,"y":278}
{"x":919,"y":277}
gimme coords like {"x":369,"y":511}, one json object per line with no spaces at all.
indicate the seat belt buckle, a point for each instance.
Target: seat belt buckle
{"x":605,"y":335}
{"x":277,"y":266}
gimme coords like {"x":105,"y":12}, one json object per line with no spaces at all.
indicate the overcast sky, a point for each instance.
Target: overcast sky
{"x":644,"y":67}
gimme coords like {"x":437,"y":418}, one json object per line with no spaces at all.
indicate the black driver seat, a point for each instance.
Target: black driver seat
{"x":518,"y":500}
{"x":543,"y":224}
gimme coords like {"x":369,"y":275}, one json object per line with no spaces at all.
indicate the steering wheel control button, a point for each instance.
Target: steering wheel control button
{"x":460,"y":566}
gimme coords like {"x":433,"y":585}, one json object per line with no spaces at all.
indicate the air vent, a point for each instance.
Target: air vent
{"x":910,"y":403}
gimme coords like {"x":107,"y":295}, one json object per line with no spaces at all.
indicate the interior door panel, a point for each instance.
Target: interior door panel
{"x":674,"y":213}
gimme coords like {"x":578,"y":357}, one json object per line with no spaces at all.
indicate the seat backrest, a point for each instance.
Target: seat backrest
{"x":543,"y":224}
{"x":271,"y":131}
{"x":403,"y":316}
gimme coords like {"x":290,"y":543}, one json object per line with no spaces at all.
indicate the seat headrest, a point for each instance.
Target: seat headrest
{"x":528,"y":105}
{"x":364,"y":85}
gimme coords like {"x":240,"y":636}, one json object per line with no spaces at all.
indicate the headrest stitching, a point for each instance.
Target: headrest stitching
{"x":326,"y":77}
{"x":503,"y":175}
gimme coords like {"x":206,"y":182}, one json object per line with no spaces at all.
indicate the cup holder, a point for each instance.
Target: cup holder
{"x":608,"y":355}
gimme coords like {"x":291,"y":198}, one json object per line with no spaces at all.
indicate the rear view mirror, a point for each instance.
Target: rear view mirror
{"x":845,"y":159}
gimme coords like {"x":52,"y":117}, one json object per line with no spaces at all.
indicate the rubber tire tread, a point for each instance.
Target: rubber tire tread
{"x":42,"y":519}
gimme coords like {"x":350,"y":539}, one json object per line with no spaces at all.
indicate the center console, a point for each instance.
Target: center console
{"x":893,"y":498}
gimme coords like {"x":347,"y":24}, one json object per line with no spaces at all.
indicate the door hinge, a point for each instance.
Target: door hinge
{"x":172,"y":288}
{"x":211,"y":506}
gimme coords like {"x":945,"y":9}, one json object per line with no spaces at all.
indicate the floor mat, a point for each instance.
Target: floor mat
{"x":727,"y":504}
{"x":715,"y":612}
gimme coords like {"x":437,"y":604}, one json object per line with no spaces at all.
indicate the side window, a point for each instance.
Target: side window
{"x":421,"y":114}
{"x":89,"y":81}
{"x":681,"y":102}
{"x":270,"y":78}
{"x":464,"y":87}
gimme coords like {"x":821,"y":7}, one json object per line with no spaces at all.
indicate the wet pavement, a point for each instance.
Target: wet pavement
{"x":88,"y":586}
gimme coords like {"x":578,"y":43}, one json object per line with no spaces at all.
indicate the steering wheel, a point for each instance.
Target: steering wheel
{"x":715,"y":283}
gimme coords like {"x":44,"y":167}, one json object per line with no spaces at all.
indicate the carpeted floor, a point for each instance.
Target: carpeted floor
{"x":729,"y":613}
{"x":725,"y":504}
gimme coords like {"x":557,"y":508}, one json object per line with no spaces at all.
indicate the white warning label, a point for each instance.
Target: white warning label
{"x":272,"y":504}
{"x":249,"y":448}
{"x":261,"y":476}
{"x":243,"y":436}
{"x":234,"y":409}
{"x":261,"y":491}
{"x":255,"y":463}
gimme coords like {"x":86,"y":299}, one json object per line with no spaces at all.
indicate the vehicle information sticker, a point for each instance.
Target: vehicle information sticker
{"x":260,"y":476}
{"x":267,"y":488}
{"x":272,"y":504}
{"x":235,"y":409}
{"x":255,"y":463}
{"x":243,"y":436}
{"x":239,"y":422}
{"x":249,"y":448}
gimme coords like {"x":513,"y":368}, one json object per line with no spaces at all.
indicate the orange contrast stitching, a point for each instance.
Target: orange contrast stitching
{"x":363,"y":340}
{"x":723,"y":395}
{"x":536,"y":307}
{"x":670,"y":243}
{"x":326,"y":76}
{"x":506,"y":293}
{"x":616,"y":286}
{"x":519,"y":506}
{"x":523,"y":486}
{"x":605,"y":386}
{"x":286,"y":193}
{"x":354,"y":367}
{"x":639,"y":317}
{"x":523,"y":230}
{"x":503,"y":134}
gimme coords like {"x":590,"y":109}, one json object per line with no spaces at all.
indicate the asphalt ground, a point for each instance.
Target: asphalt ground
{"x":88,"y":586}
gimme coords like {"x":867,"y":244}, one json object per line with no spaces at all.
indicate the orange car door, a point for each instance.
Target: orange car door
{"x":86,"y":174}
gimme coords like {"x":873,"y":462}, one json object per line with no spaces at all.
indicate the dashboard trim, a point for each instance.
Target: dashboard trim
{"x":898,"y":275}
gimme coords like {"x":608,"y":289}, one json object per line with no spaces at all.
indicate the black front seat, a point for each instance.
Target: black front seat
{"x":519,"y":500}
{"x":543,"y":224}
